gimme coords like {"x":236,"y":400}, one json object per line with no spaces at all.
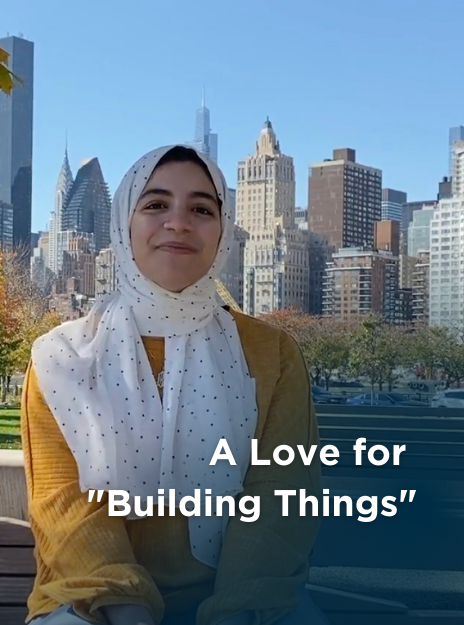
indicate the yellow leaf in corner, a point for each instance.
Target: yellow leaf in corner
{"x":4,"y":56}
{"x":6,"y":80}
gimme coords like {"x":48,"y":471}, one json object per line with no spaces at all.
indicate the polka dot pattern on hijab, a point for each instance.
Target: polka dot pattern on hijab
{"x":95,"y":375}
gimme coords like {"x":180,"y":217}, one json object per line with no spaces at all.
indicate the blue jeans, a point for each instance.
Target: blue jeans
{"x":307,"y":613}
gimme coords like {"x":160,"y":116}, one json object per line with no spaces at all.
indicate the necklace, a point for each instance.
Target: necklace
{"x":160,"y":379}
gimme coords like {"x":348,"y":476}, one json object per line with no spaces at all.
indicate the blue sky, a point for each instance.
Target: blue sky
{"x":381,"y":76}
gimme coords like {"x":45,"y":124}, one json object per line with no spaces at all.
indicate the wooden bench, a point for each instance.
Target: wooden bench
{"x":433,"y":465}
{"x":17,"y":570}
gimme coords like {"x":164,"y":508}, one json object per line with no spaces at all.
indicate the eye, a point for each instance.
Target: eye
{"x":154,"y":206}
{"x":204,"y":210}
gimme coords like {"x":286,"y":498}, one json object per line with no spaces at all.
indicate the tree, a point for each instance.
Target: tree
{"x":438,"y":352}
{"x":394,"y":352}
{"x":293,"y":321}
{"x":425,"y":350}
{"x":324,"y":342}
{"x":32,"y":327}
{"x":327,"y":348}
{"x":7,"y":78}
{"x":23,"y":316}
{"x":377,"y":351}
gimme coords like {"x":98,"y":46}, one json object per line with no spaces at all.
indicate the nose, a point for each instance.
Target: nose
{"x":178,"y":219}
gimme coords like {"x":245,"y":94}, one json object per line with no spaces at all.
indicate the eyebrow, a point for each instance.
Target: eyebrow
{"x":194,"y":194}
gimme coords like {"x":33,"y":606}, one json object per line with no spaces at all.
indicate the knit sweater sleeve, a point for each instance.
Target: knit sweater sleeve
{"x":84,"y":556}
{"x":264,"y":563}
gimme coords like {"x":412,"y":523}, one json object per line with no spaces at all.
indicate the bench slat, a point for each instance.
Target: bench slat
{"x":17,"y":561}
{"x":12,"y":616}
{"x":14,"y":591}
{"x":15,"y":535}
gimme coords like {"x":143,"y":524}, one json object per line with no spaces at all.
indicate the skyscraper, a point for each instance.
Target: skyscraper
{"x":392,"y":204}
{"x":457,"y":179}
{"x":345,"y":199}
{"x":105,"y":272}
{"x":6,"y":226}
{"x":63,"y":187}
{"x":419,"y":231}
{"x":16,"y":118}
{"x":276,"y":260}
{"x":447,"y":264}
{"x":87,"y":207}
{"x":409,"y":208}
{"x":387,"y":236}
{"x":455,"y":134}
{"x":205,"y":141}
{"x":359,"y":281}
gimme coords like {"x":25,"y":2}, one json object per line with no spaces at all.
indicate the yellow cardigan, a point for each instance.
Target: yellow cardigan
{"x":89,"y":559}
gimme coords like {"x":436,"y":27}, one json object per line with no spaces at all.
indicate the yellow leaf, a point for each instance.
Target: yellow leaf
{"x":4,"y":56}
{"x":6,"y":80}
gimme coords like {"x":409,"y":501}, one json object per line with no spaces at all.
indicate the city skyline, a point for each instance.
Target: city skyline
{"x":298,"y":204}
{"x":346,"y":261}
{"x":314,"y":106}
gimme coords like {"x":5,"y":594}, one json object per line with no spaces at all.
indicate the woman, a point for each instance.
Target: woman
{"x":136,"y":396}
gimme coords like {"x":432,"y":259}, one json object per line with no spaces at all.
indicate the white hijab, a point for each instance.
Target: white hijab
{"x":97,"y":380}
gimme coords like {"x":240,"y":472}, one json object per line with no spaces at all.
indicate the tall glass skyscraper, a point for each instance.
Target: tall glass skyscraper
{"x":16,"y":118}
{"x":87,"y":208}
{"x":205,"y":141}
{"x":419,"y":231}
{"x":63,"y":188}
{"x":392,"y":204}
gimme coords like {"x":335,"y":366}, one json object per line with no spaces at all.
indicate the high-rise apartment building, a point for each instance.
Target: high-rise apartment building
{"x":419,"y":231}
{"x":403,"y":312}
{"x":345,"y":199}
{"x":105,"y":272}
{"x":79,"y":266}
{"x":16,"y":119}
{"x":63,"y":188}
{"x":276,"y":261}
{"x":457,"y":179}
{"x":455,"y":134}
{"x":387,"y":236}
{"x":233,"y":271}
{"x":67,"y":244}
{"x":421,"y":289}
{"x":87,"y":207}
{"x":392,"y":204}
{"x":360,"y":281}
{"x":320,"y":253}
{"x":409,"y":209}
{"x":407,"y":269}
{"x":205,"y":141}
{"x":447,"y":264}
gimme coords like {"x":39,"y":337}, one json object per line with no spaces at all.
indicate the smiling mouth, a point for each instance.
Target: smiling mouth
{"x":176,"y":248}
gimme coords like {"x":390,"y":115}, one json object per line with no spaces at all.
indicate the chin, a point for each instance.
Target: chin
{"x":174,"y":286}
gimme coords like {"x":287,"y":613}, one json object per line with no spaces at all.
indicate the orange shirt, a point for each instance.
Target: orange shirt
{"x":89,"y":559}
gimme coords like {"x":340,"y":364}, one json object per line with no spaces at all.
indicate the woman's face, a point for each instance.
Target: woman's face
{"x":176,"y":226}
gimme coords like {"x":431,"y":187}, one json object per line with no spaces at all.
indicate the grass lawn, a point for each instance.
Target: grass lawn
{"x":10,"y":437}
